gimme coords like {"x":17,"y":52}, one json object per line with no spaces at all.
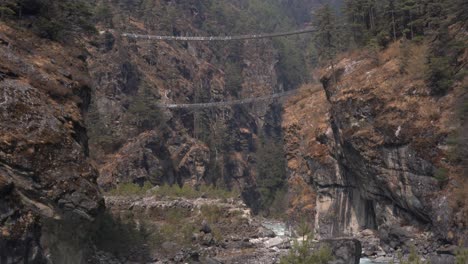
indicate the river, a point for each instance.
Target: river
{"x":280,"y":229}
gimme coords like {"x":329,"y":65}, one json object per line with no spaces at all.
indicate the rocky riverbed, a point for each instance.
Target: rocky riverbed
{"x":207,"y":230}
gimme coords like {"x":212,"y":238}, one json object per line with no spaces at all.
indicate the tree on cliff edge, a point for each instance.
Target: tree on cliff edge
{"x":327,"y":35}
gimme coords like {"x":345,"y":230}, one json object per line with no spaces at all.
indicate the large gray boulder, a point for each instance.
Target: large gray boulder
{"x":344,"y":250}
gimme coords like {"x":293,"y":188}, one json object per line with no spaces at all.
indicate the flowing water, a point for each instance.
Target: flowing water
{"x":367,"y":261}
{"x":280,"y":229}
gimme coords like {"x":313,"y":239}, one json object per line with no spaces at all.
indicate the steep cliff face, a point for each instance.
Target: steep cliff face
{"x":375,"y":157}
{"x":134,"y":141}
{"x":306,"y":131}
{"x":45,"y":172}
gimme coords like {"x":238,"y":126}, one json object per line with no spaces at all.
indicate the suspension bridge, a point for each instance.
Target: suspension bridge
{"x":227,"y":103}
{"x":221,"y":38}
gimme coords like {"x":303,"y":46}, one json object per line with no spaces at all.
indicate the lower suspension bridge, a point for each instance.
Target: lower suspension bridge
{"x":228,"y":103}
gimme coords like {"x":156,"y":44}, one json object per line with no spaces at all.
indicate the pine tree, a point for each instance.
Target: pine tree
{"x":327,"y":36}
{"x":7,"y":8}
{"x":460,"y":11}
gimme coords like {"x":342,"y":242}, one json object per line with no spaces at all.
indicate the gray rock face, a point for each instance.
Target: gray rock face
{"x":370,"y":154}
{"x":159,"y":159}
{"x":133,"y":76}
{"x":344,"y":251}
{"x":442,"y":259}
{"x":45,"y":172}
{"x":264,"y":232}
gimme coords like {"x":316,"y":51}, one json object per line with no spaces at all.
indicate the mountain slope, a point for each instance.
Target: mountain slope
{"x":379,"y":159}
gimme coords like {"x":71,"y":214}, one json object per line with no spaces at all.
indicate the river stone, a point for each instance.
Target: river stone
{"x":447,"y":249}
{"x":442,"y":259}
{"x":205,"y":227}
{"x":344,"y":250}
{"x":273,"y":242}
{"x":207,"y":240}
{"x":265,"y":232}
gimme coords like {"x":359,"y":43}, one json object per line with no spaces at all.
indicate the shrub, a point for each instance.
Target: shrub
{"x":118,"y":237}
{"x":441,"y":174}
{"x":72,"y":238}
{"x":54,"y":20}
{"x":50,"y":29}
{"x":302,"y":253}
{"x":233,"y":77}
{"x":129,"y":189}
{"x":211,"y":213}
{"x":462,"y":256}
{"x":189,"y":192}
{"x":7,"y":8}
{"x":413,"y":258}
{"x":439,"y":75}
{"x":142,"y":110}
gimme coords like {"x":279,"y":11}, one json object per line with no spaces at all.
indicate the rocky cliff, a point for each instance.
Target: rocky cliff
{"x":373,"y":147}
{"x":49,"y":89}
{"x":45,"y":172}
{"x":370,"y":152}
{"x":133,"y":141}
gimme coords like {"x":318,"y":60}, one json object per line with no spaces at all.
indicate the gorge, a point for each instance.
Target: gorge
{"x":349,"y":140}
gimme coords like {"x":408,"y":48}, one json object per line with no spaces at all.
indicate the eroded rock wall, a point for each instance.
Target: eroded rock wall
{"x":373,"y":154}
{"x":182,"y":146}
{"x":45,"y":173}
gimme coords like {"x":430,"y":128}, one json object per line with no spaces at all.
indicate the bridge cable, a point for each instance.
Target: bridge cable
{"x":218,"y":38}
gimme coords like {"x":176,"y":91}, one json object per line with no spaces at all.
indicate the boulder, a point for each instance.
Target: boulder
{"x":205,"y":227}
{"x":447,"y":249}
{"x":207,"y":240}
{"x":442,"y":259}
{"x":265,"y":232}
{"x":274,"y":242}
{"x":344,"y":250}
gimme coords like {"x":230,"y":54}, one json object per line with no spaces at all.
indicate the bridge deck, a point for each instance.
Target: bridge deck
{"x":227,"y":103}
{"x":218,"y":38}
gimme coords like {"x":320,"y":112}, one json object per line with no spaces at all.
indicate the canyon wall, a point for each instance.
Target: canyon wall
{"x":133,"y":141}
{"x":45,"y":172}
{"x":372,"y":146}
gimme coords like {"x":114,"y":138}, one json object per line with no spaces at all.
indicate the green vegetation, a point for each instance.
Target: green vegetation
{"x":255,"y":16}
{"x":327,"y":37}
{"x":212,"y":213}
{"x":441,"y":174}
{"x":380,"y":22}
{"x":119,"y":237}
{"x":271,"y":179}
{"x":462,"y":256}
{"x":72,"y":238}
{"x":179,"y":225}
{"x":302,"y":253}
{"x":174,"y":191}
{"x":131,"y":189}
{"x":189,"y":192}
{"x":143,"y":113}
{"x":56,"y":20}
{"x":233,"y":77}
{"x":7,"y":9}
{"x":413,"y":258}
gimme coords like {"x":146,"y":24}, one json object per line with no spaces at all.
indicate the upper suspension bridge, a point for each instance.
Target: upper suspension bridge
{"x":221,"y":38}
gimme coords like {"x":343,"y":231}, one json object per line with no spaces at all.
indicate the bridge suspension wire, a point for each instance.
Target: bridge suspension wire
{"x":227,"y":103}
{"x":218,"y":38}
